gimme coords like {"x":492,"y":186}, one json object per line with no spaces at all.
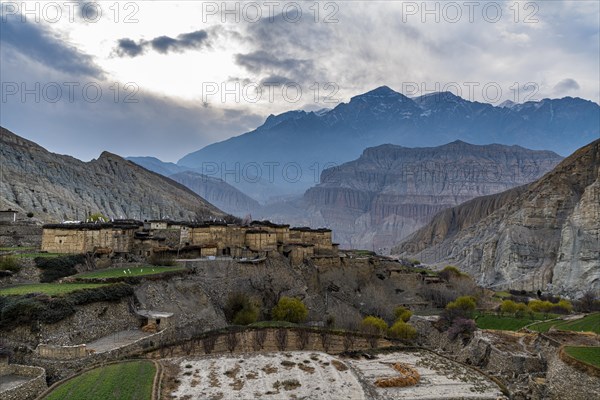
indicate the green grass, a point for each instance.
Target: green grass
{"x":273,"y":324}
{"x":17,"y":248}
{"x":35,"y":255}
{"x":124,"y":381}
{"x":502,"y":295}
{"x":589,"y":323}
{"x":119,"y":272}
{"x":589,"y":355}
{"x":50,"y":289}
{"x":503,"y":323}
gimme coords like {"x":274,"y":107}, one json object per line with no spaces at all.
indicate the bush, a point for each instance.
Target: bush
{"x":462,"y":327}
{"x":542,"y":306}
{"x":58,"y":267}
{"x":30,"y":215}
{"x":374,"y":325}
{"x":402,"y":313}
{"x":466,"y":304}
{"x":161,"y":260}
{"x":9,"y":263}
{"x":563,"y":307}
{"x":450,"y":272}
{"x":289,"y":309}
{"x":508,"y":307}
{"x":402,"y":330}
{"x":240,"y":310}
{"x":523,"y":310}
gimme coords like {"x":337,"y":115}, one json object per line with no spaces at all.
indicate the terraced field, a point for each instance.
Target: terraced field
{"x":51,"y":289}
{"x":589,"y":323}
{"x":127,"y":272}
{"x":589,"y":355}
{"x":124,"y":381}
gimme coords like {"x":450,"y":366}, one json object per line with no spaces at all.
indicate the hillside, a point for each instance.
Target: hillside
{"x":57,"y":187}
{"x":216,"y":191}
{"x":542,"y":236}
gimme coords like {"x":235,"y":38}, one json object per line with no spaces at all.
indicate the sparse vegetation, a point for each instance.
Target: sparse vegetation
{"x":9,"y":263}
{"x":290,"y":309}
{"x":124,"y":381}
{"x":402,"y":313}
{"x":162,"y":259}
{"x":50,"y":289}
{"x":462,"y":327}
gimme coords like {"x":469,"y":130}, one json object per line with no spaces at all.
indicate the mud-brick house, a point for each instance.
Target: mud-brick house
{"x":106,"y":238}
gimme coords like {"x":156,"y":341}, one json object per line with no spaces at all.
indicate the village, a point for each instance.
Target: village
{"x":131,"y":238}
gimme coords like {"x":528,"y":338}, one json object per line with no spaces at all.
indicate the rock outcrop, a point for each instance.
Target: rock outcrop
{"x":57,"y":187}
{"x":544,"y":236}
{"x":391,"y":191}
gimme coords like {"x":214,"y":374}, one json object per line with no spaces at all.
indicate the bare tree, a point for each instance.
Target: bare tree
{"x":259,"y":337}
{"x":281,"y":337}
{"x":349,"y":340}
{"x":208,"y":343}
{"x":302,"y":338}
{"x":232,"y":341}
{"x":325,"y":340}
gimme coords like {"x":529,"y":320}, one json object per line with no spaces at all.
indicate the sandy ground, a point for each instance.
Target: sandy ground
{"x":116,"y":340}
{"x":314,"y":375}
{"x":10,"y":381}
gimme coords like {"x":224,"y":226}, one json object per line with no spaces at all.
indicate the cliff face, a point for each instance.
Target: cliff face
{"x":56,"y":187}
{"x":391,"y":191}
{"x":542,"y":236}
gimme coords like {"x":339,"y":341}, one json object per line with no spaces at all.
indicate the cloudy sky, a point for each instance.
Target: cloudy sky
{"x":165,"y":78}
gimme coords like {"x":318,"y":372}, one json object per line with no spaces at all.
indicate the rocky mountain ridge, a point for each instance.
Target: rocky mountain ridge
{"x":58,"y":187}
{"x":543,"y":236}
{"x":390,"y":191}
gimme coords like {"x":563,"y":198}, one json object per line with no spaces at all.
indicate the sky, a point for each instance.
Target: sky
{"x":166,"y":78}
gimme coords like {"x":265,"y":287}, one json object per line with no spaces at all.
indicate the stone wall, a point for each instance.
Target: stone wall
{"x":27,"y":390}
{"x":20,"y":234}
{"x":61,"y":352}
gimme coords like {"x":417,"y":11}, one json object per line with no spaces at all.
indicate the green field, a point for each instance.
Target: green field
{"x":590,"y":355}
{"x":507,"y":322}
{"x":50,"y":289}
{"x":589,"y":323}
{"x":124,"y":381}
{"x":125,"y":272}
{"x":17,"y":248}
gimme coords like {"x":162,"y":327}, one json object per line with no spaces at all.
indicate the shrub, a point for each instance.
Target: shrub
{"x":543,"y":306}
{"x":9,"y":263}
{"x":246,"y":316}
{"x":402,"y":330}
{"x":588,"y":302}
{"x":523,"y":310}
{"x":161,"y":260}
{"x":462,"y":327}
{"x":508,"y":307}
{"x":30,"y":215}
{"x":402,"y":313}
{"x":289,"y":309}
{"x":96,"y":217}
{"x":374,"y":325}
{"x":58,"y":267}
{"x":563,"y":307}
{"x":449,"y":272}
{"x":463,"y":303}
{"x":240,"y":310}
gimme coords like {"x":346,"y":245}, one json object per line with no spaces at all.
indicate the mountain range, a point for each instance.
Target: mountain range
{"x":541,"y":236}
{"x":311,"y":142}
{"x":56,"y":187}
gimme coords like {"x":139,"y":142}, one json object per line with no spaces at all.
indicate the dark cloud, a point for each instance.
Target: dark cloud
{"x":37,"y":43}
{"x":163,"y":44}
{"x":566,"y":85}
{"x":130,"y":48}
{"x":275,"y":80}
{"x":260,"y":61}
